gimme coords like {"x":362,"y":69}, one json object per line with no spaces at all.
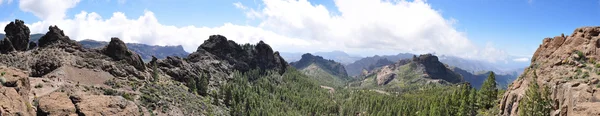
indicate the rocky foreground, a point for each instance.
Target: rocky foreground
{"x":57,"y":76}
{"x":569,"y":67}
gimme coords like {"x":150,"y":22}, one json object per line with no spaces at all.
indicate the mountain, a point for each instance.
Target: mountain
{"x":329,"y":72}
{"x":410,"y":74}
{"x":338,"y":56}
{"x":144,"y":50}
{"x":477,"y":79}
{"x":564,"y":73}
{"x":369,"y":63}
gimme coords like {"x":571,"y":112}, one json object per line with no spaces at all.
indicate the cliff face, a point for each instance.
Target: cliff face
{"x":569,"y":67}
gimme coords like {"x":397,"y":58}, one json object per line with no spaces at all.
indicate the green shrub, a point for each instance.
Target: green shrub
{"x":128,"y":96}
{"x":110,"y":92}
{"x":580,"y":54}
{"x":585,"y":75}
{"x":39,"y":85}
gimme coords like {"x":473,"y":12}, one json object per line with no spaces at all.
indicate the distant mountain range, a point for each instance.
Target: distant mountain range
{"x":338,"y":56}
{"x":144,"y":50}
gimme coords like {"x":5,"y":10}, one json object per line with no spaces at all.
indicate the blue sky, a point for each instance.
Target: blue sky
{"x":507,"y":27}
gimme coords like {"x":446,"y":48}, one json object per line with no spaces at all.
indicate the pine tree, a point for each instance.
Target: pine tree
{"x":473,"y":102}
{"x":535,"y":103}
{"x":464,"y":108}
{"x":488,"y":92}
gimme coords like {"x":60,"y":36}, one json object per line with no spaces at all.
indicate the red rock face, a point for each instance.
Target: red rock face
{"x":566,"y":65}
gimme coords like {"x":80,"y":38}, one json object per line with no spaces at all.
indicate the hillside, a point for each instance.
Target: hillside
{"x":562,"y":79}
{"x":328,"y":72}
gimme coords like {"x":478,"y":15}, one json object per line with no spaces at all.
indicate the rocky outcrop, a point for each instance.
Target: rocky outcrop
{"x":56,"y":104}
{"x":17,"y":37}
{"x":436,"y":69}
{"x":55,"y":37}
{"x":117,"y":50}
{"x":568,"y":66}
{"x":330,"y":66}
{"x":246,"y":57}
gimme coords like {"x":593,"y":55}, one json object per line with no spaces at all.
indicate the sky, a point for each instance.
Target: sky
{"x":489,"y":30}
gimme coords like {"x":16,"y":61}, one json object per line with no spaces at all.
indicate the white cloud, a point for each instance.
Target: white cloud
{"x":146,"y":29}
{"x":364,"y":27}
{"x":50,"y":10}
{"x":240,"y":5}
{"x":521,"y":59}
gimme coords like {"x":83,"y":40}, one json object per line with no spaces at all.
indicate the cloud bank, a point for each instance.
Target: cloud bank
{"x":357,"y":26}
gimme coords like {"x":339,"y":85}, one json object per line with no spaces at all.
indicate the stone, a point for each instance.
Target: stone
{"x":93,"y":105}
{"x":56,"y":104}
{"x":117,"y":50}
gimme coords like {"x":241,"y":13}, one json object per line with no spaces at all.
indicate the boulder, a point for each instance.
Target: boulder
{"x":117,"y":50}
{"x":96,"y":105}
{"x":56,"y":104}
{"x":17,"y":37}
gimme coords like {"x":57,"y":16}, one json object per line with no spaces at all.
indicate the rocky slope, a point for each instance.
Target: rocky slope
{"x":145,"y":51}
{"x":59,"y":76}
{"x":409,"y":73}
{"x":569,"y":67}
{"x":328,"y":71}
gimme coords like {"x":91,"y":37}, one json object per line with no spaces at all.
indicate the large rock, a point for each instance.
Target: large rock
{"x":96,"y":105}
{"x":56,"y":104}
{"x":55,"y":37}
{"x":566,"y":65}
{"x":117,"y":50}
{"x":17,"y":37}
